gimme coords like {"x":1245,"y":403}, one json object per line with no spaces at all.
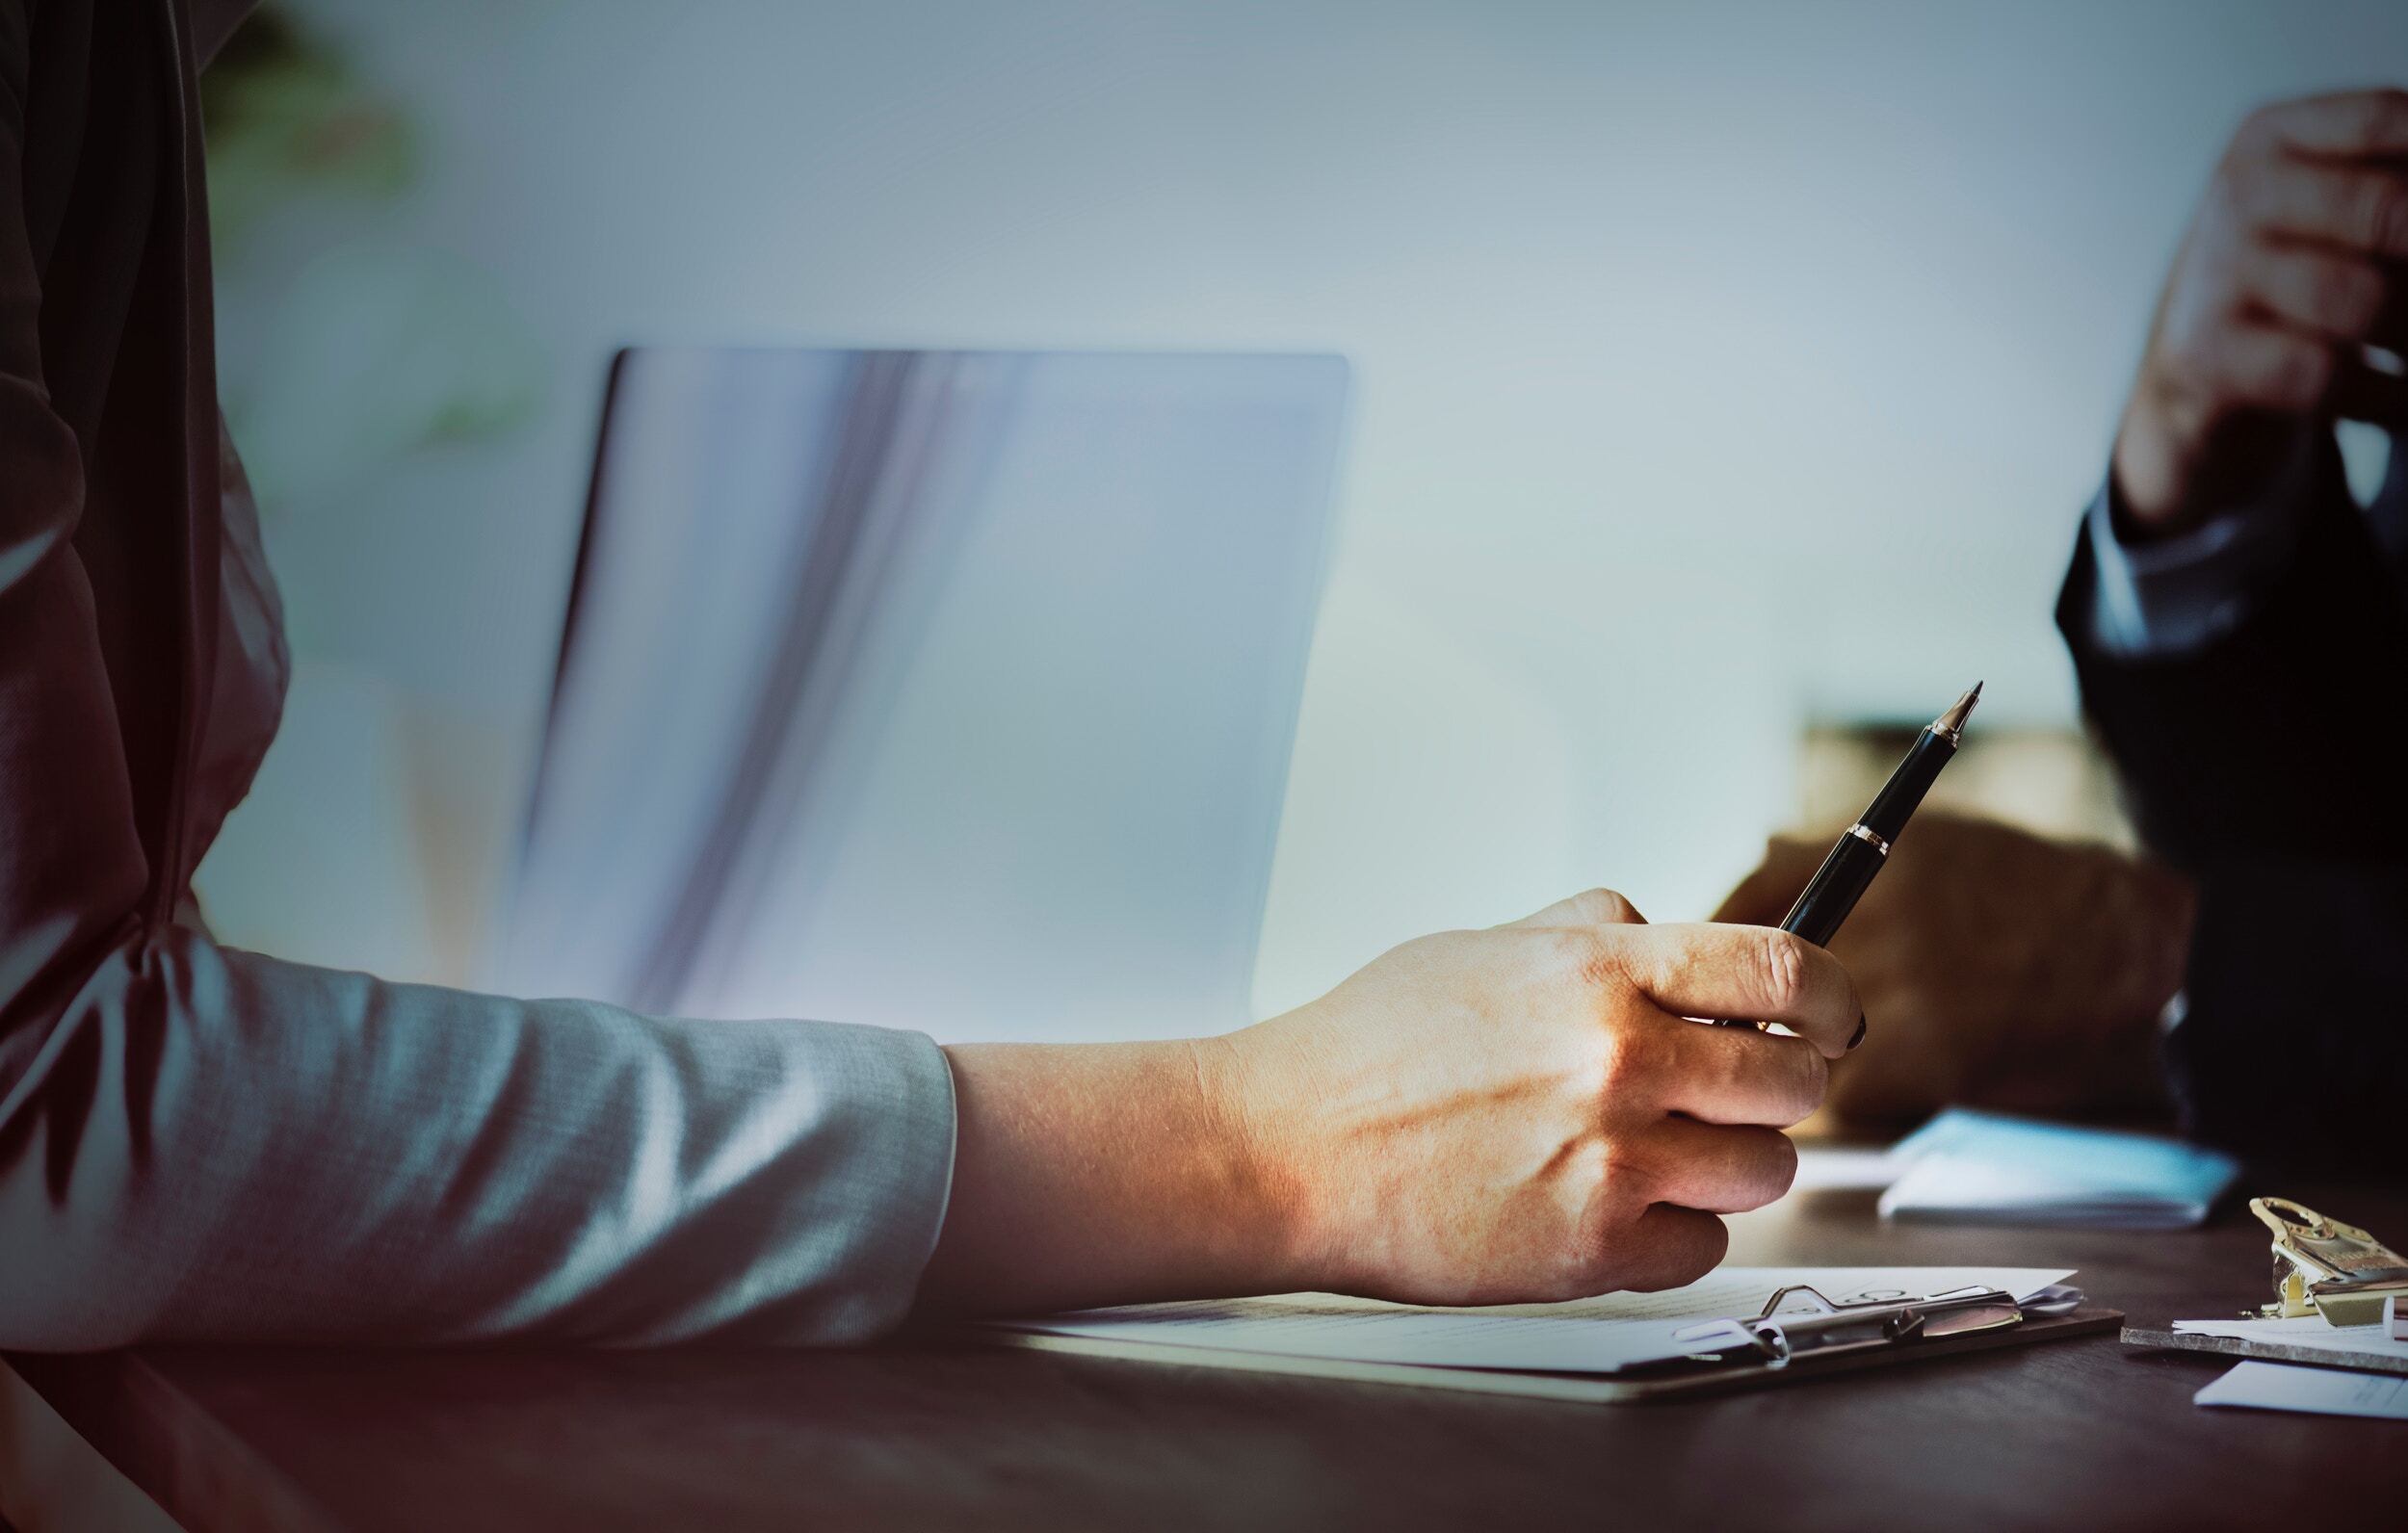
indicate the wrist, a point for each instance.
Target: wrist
{"x":2180,"y":464}
{"x":2153,"y":449}
{"x":1241,"y":1088}
{"x":1094,"y":1174}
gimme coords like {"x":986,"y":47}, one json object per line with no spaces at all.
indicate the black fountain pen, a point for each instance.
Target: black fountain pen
{"x":1864,"y":846}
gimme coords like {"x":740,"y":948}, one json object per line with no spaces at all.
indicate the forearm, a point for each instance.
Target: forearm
{"x":1103,"y":1174}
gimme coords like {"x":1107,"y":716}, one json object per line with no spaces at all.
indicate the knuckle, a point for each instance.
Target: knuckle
{"x":1624,"y":1068}
{"x":1782,"y":969}
{"x":1603,"y":907}
{"x":1732,"y":1072}
{"x":1626,"y":1173}
{"x":1595,"y":959}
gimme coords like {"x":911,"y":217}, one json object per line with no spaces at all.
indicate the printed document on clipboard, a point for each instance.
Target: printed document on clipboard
{"x":1734,"y":1327}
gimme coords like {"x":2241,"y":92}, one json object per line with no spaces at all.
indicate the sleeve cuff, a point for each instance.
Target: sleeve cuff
{"x":866,"y":1216}
{"x":2177,"y":595}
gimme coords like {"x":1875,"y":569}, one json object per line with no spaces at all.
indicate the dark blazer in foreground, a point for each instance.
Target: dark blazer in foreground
{"x":2268,"y":766}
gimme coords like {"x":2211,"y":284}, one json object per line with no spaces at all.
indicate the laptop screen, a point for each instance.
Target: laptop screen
{"x":940,"y":689}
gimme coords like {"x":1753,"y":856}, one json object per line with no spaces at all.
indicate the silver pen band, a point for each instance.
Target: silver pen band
{"x":1865,"y":835}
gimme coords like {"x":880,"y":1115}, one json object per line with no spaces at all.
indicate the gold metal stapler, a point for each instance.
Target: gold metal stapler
{"x":2323,"y":1266}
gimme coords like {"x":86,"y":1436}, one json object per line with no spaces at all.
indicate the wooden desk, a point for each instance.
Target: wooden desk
{"x":2082,"y":1434}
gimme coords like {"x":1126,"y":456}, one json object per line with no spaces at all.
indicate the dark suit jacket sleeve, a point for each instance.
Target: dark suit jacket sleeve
{"x":198,"y":1143}
{"x":2267,"y":766}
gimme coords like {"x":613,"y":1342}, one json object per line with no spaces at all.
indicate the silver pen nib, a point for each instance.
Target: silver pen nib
{"x":1950,"y":726}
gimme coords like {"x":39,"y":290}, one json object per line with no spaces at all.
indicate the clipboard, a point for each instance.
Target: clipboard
{"x":1799,"y":1336}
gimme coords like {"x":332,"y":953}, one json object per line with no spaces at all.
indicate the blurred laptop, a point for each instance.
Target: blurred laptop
{"x":940,"y":689}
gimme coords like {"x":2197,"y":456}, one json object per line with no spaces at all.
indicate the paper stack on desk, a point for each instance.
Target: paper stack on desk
{"x":1990,"y":1168}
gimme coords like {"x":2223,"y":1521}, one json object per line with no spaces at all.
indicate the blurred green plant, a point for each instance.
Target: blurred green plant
{"x":345,"y":346}
{"x":286,"y":116}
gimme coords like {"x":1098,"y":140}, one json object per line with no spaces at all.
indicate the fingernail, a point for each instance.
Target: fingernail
{"x":1858,"y":1036}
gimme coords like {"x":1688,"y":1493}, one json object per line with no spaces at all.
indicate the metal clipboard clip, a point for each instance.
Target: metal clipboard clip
{"x":2323,"y":1266}
{"x":1799,"y":1322}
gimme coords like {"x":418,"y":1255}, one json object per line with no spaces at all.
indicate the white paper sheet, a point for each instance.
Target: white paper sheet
{"x":2323,"y":1391}
{"x":2306,"y":1331}
{"x":1584,"y":1335}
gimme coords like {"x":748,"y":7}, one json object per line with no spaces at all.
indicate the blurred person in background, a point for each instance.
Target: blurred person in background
{"x":200,"y":1143}
{"x":2240,"y":626}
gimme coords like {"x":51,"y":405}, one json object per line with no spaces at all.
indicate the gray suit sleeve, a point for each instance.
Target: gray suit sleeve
{"x":210,"y":1145}
{"x":197,"y":1144}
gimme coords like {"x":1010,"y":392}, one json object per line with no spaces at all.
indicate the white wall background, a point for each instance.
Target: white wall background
{"x":1668,"y":320}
